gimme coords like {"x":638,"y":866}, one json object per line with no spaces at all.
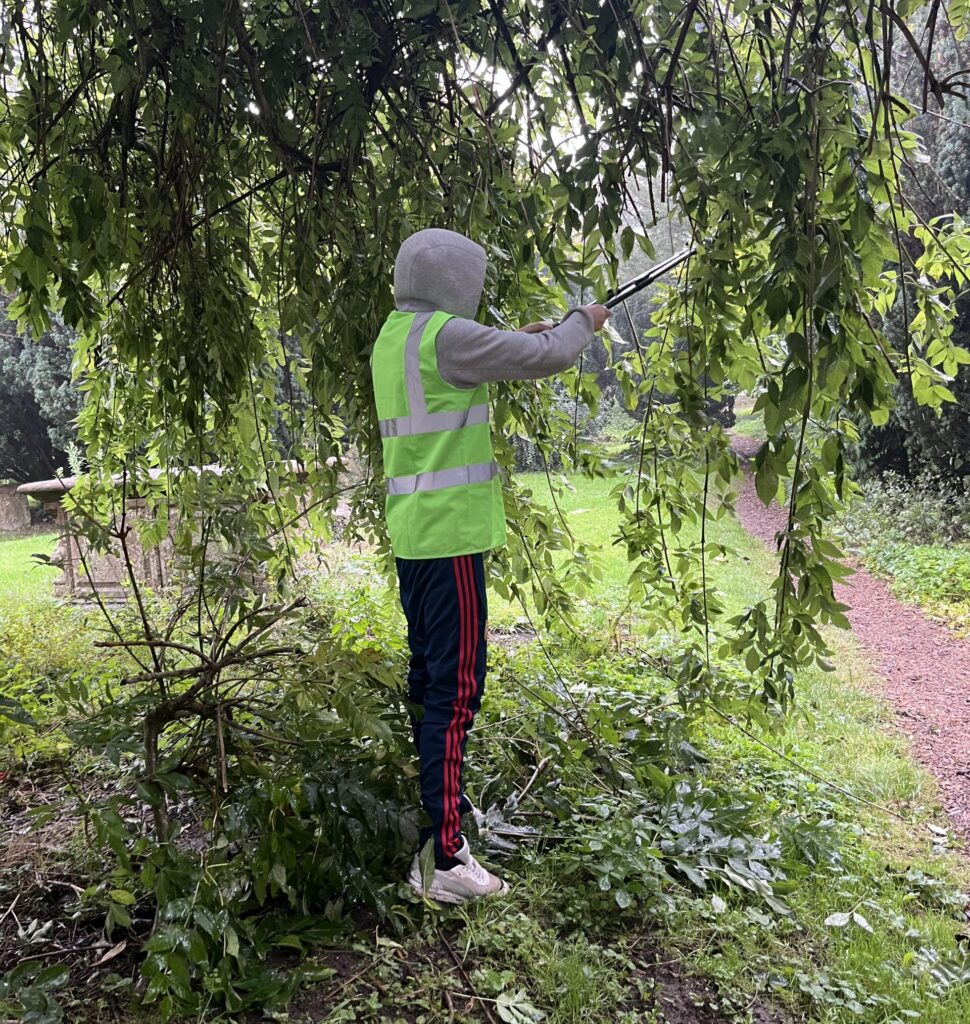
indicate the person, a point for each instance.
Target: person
{"x":444,"y":510}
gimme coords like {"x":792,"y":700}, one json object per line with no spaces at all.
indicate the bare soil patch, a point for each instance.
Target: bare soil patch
{"x":410,"y":982}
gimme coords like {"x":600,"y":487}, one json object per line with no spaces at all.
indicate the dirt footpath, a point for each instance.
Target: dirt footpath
{"x":925,"y":668}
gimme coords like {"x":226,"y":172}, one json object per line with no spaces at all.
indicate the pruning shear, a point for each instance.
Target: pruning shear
{"x":630,"y":288}
{"x":636,"y":284}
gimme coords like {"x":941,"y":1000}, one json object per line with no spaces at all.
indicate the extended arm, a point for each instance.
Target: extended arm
{"x":470,"y":353}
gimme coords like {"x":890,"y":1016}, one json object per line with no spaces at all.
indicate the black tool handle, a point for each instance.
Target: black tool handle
{"x":637,"y":284}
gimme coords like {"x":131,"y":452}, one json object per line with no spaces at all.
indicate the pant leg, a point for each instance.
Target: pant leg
{"x":454,"y":615}
{"x":411,"y":588}
{"x":480,"y":620}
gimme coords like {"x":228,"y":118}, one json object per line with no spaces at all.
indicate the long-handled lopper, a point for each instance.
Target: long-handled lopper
{"x":637,"y":284}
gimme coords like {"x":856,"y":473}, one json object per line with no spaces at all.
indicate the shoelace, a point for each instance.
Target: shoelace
{"x":478,"y":874}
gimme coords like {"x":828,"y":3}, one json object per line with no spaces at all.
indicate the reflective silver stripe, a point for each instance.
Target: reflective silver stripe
{"x":431,"y":422}
{"x":439,"y":479}
{"x":412,"y":364}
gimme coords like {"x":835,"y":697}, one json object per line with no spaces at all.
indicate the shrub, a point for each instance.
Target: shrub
{"x":928,"y":571}
{"x":924,"y":511}
{"x":45,"y":652}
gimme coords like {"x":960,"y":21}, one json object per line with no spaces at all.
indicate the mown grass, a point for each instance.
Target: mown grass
{"x":748,"y":423}
{"x":843,"y":708}
{"x":22,"y":578}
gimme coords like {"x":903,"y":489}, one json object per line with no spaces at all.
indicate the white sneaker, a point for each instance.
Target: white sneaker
{"x":465,"y":881}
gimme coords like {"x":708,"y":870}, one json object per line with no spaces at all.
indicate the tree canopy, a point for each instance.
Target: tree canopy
{"x":190,"y":182}
{"x":915,"y":442}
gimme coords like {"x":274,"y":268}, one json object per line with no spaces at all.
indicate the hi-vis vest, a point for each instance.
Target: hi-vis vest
{"x":444,"y":495}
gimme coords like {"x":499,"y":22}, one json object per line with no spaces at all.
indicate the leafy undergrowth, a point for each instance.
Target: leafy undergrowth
{"x":502,"y":967}
{"x":935,"y":576}
{"x":917,"y":535}
{"x":654,"y":855}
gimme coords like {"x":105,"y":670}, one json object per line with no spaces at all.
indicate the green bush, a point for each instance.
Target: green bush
{"x":256,"y":790}
{"x":250,"y":818}
{"x":45,"y":654}
{"x":924,"y":511}
{"x":925,"y":571}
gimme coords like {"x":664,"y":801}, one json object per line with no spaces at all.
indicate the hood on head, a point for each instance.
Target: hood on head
{"x":439,"y":269}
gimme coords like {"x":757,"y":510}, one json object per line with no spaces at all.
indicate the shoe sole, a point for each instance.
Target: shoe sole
{"x":453,"y":898}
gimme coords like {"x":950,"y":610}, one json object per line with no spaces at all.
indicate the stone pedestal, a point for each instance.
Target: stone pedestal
{"x":88,"y":576}
{"x":86,"y":573}
{"x":14,"y":511}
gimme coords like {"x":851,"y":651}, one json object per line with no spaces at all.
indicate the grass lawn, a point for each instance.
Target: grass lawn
{"x":21,"y":578}
{"x":748,"y":423}
{"x":590,"y":512}
{"x":844,"y":705}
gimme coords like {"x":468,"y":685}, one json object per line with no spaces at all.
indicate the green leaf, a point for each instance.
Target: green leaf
{"x":426,"y":864}
{"x":515,"y":1008}
{"x":51,"y":978}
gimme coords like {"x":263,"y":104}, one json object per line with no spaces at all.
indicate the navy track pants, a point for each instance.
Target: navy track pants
{"x":444,"y":603}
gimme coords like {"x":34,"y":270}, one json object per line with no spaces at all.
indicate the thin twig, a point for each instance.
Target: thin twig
{"x":540,"y":768}
{"x":10,"y":909}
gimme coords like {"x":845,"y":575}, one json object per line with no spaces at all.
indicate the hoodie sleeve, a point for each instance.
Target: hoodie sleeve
{"x":470,"y":353}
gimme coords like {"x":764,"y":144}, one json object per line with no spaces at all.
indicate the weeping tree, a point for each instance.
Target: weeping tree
{"x":212,"y":194}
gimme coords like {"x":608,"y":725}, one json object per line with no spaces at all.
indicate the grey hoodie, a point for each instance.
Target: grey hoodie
{"x":438,"y":269}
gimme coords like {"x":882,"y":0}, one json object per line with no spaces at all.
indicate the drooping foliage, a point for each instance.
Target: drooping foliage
{"x":922,"y":447}
{"x":189,"y":181}
{"x":915,"y":443}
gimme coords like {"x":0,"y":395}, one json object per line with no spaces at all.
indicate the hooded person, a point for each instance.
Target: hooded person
{"x":444,"y":509}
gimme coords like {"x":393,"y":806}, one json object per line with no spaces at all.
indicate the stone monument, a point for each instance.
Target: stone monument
{"x":87,"y":574}
{"x":85,"y":571}
{"x":14,"y":510}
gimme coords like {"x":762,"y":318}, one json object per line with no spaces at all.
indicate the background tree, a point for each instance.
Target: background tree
{"x":916,"y":441}
{"x":38,"y":400}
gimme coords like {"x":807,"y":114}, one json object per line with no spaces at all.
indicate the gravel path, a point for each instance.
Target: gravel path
{"x":925,"y":668}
